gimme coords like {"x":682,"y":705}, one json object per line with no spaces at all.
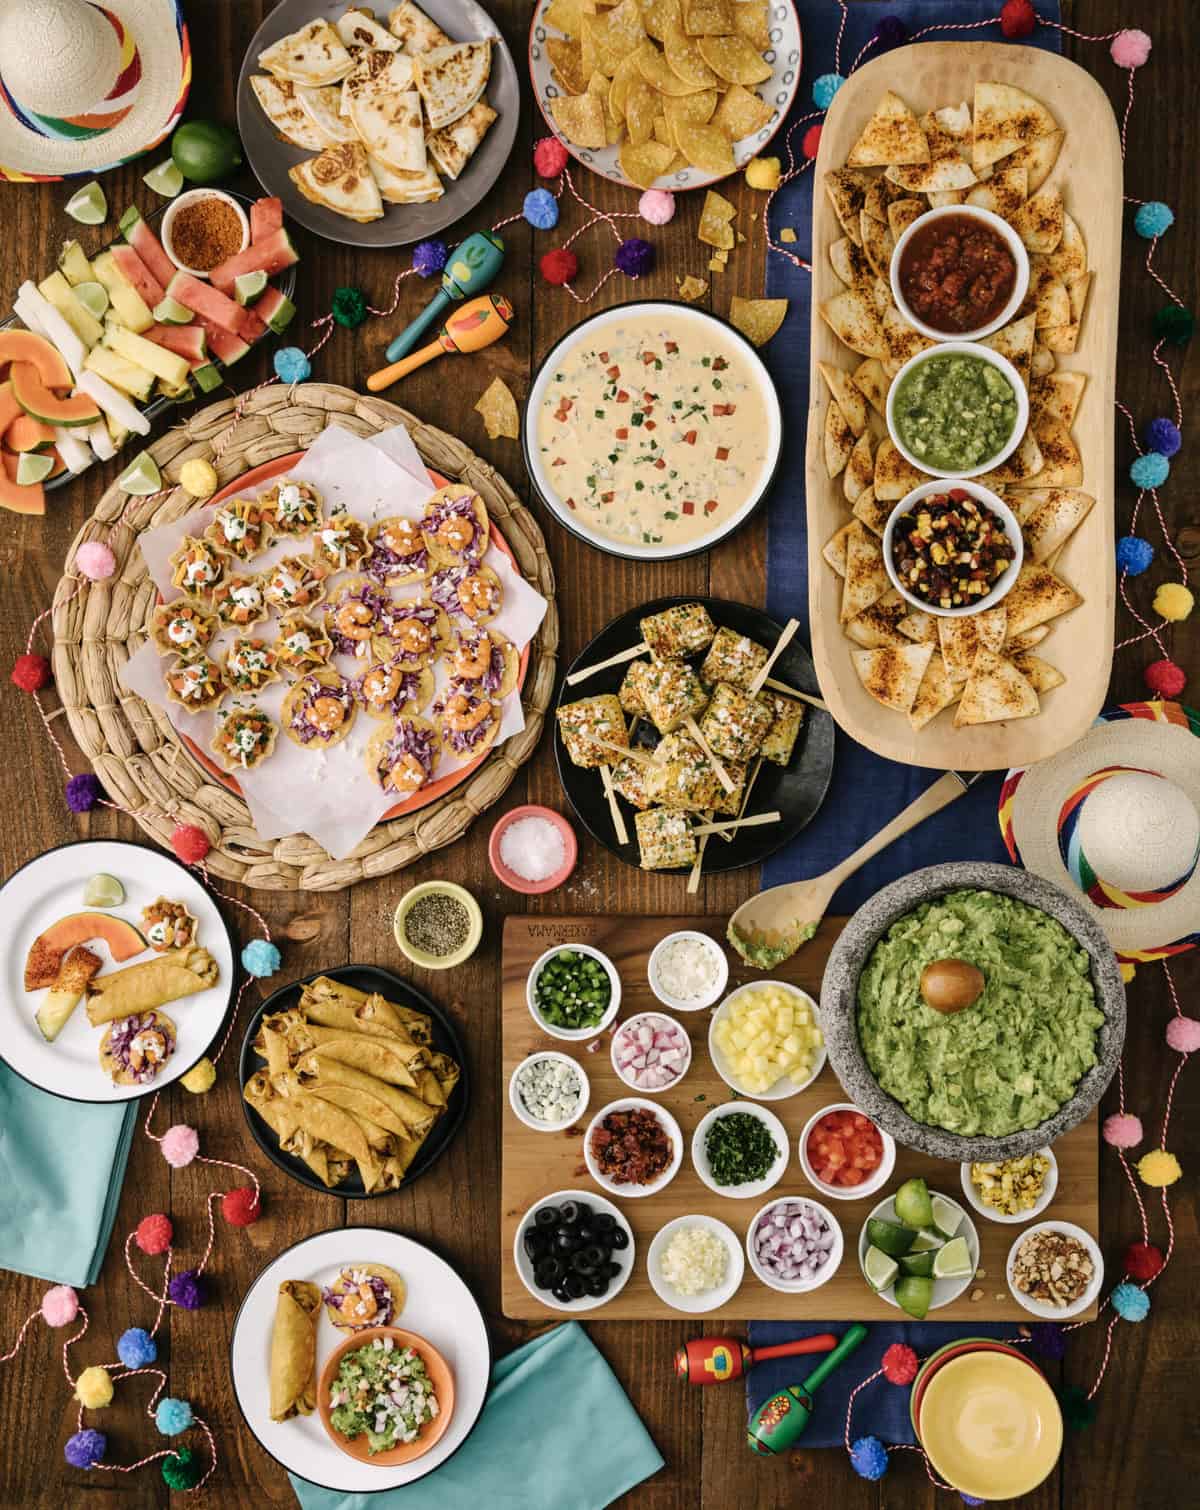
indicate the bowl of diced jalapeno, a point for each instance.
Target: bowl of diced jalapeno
{"x":573,"y":991}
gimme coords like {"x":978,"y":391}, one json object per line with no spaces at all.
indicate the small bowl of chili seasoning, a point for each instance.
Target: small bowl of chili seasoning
{"x":203,"y":228}
{"x":959,"y":273}
{"x":952,"y":549}
{"x":438,"y":925}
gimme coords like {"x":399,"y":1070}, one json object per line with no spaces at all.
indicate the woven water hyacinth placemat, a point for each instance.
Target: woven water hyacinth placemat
{"x":133,"y":748}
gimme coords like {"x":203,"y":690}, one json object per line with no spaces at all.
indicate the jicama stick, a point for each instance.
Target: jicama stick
{"x":750,"y":780}
{"x":722,"y":828}
{"x":781,"y":644}
{"x":722,"y":774}
{"x":803,"y":697}
{"x":693,"y":884}
{"x":613,"y":660}
{"x":613,"y":806}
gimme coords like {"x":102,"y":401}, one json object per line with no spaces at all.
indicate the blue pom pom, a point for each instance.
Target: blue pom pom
{"x":540,"y":209}
{"x":85,"y":1448}
{"x":1162,"y":435}
{"x":969,"y":1499}
{"x":1134,"y":554}
{"x":825,"y":88}
{"x":291,"y":365}
{"x":1130,"y":1303}
{"x":260,"y":958}
{"x":173,"y":1416}
{"x":1149,"y":471}
{"x":137,"y":1348}
{"x":869,"y":1458}
{"x":889,"y":32}
{"x":1153,"y":219}
{"x":429,"y":258}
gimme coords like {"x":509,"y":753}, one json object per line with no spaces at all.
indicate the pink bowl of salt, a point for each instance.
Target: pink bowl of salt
{"x":532,"y":849}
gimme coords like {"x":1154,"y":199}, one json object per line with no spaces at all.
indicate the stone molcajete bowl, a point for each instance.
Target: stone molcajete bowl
{"x":839,"y":991}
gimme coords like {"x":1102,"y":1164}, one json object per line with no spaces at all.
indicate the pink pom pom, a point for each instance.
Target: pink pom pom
{"x":1130,"y":48}
{"x":95,"y":560}
{"x":549,"y":157}
{"x":899,"y":1364}
{"x":1183,"y":1034}
{"x":180,"y":1145}
{"x":1123,"y":1130}
{"x":190,"y":843}
{"x":60,"y":1306}
{"x":154,"y":1233}
{"x":1165,"y":678}
{"x":657,"y":206}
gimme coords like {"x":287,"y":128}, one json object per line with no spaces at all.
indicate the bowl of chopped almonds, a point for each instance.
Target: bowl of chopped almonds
{"x":1055,"y":1270}
{"x":1012,"y":1190}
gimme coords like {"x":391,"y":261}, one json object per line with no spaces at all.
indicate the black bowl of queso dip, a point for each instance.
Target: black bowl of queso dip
{"x":957,"y":409}
{"x":959,"y":273}
{"x":652,"y":430}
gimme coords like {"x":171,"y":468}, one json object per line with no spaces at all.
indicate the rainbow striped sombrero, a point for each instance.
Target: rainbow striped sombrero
{"x":1117,"y":816}
{"x":85,"y":85}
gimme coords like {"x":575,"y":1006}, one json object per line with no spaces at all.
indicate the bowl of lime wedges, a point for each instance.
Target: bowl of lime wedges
{"x":918,"y":1249}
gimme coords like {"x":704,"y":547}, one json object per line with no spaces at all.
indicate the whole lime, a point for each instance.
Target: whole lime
{"x":205,"y":151}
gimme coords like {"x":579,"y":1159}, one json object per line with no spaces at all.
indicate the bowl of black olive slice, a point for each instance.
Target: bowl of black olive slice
{"x":573,"y":1250}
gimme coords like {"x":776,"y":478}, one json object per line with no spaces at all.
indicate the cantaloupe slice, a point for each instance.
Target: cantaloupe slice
{"x":52,"y":408}
{"x":24,"y":433}
{"x":46,"y":953}
{"x":25,"y":346}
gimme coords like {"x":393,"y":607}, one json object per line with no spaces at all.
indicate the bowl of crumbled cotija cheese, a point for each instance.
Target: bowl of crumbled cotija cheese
{"x":1012,"y":1190}
{"x":1055,"y":1270}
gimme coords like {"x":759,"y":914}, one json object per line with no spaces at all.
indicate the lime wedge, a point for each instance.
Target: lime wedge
{"x":953,"y":1261}
{"x":141,"y":476}
{"x":170,"y":312}
{"x":913,"y":1295}
{"x":103,"y":891}
{"x":32,"y":467}
{"x":892,"y":1239}
{"x":920,"y":1264}
{"x":88,"y":205}
{"x":946,"y":1217}
{"x":926,"y":1241}
{"x":879,"y":1269}
{"x":913,"y":1206}
{"x":248,"y":286}
{"x":93,"y":297}
{"x":165,"y":179}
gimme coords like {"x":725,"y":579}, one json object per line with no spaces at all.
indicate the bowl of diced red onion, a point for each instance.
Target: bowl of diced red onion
{"x":794,"y":1244}
{"x":651,"y":1052}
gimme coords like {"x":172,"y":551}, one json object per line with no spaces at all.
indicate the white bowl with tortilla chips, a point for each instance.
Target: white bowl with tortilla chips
{"x":981,"y":495}
{"x":984,"y":354}
{"x":1011,"y":240}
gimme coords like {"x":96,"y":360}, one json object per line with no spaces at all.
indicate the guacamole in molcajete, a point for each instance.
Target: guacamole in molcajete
{"x":1013,"y":1057}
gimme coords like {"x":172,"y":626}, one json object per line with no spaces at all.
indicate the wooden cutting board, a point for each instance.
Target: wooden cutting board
{"x":536,"y":1164}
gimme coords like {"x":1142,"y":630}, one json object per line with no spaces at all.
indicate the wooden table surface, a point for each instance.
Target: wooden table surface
{"x":1143,"y":1450}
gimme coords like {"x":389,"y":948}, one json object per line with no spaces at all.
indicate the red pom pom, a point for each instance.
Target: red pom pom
{"x":1017,"y":19}
{"x":154,"y":1233}
{"x":899,"y":1364}
{"x":549,"y":157}
{"x":241,"y":1207}
{"x":31,"y":672}
{"x":559,"y":266}
{"x":1165,"y":678}
{"x":1143,"y":1261}
{"x":190,"y":843}
{"x":811,"y":141}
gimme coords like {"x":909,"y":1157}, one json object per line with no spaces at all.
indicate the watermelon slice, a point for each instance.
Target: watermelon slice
{"x":266,"y":217}
{"x":270,"y":256}
{"x":186,"y":341}
{"x":135,"y":271}
{"x":275,"y":308}
{"x":147,"y":245}
{"x":214,"y":306}
{"x":18,"y":498}
{"x":222,"y":347}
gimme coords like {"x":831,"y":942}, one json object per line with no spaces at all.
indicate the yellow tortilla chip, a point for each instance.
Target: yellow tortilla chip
{"x":787,"y":234}
{"x":686,"y":59}
{"x":623,"y":78}
{"x":658,"y":15}
{"x":839,"y":440}
{"x":1004,"y":193}
{"x":601,"y":87}
{"x":498,"y":409}
{"x":1006,"y":118}
{"x":873,"y":512}
{"x":643,"y":164}
{"x":708,"y":18}
{"x":893,"y":674}
{"x":1040,"y":220}
{"x":741,"y":113}
{"x":716,"y":215}
{"x":995,"y":690}
{"x":718,"y":263}
{"x":615,"y":33}
{"x":866,"y":579}
{"x":692,"y":288}
{"x":873,"y":382}
{"x":734,"y":59}
{"x":757,"y":319}
{"x":1037,"y":158}
{"x":567,"y":15}
{"x":690,"y":109}
{"x":751,"y":20}
{"x":705,"y":147}
{"x":854,"y":321}
{"x":894,"y":477}
{"x":566,"y":59}
{"x":846,"y":396}
{"x":938,"y":690}
{"x":860,"y":469}
{"x":658,"y":73}
{"x":901,"y":213}
{"x":580,"y":118}
{"x":890,"y":137}
{"x":640,"y":106}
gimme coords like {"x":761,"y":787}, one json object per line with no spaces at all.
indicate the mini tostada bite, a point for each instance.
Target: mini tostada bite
{"x":294,"y":508}
{"x":355,"y":614}
{"x":401,"y":757}
{"x":390,"y":689}
{"x":242,"y":527}
{"x":168,"y":925}
{"x":196,"y":684}
{"x":468,"y":719}
{"x":473,"y":590}
{"x":250,"y":665}
{"x":415,"y":629}
{"x":198,"y":567}
{"x":295,"y":582}
{"x":398,"y":552}
{"x":340,"y":544}
{"x":135,"y":1048}
{"x":365,"y":1295}
{"x":239,"y":601}
{"x":484,"y":657}
{"x":301,"y":645}
{"x":181,"y":628}
{"x":245,"y":738}
{"x":319,"y":711}
{"x":455,"y":525}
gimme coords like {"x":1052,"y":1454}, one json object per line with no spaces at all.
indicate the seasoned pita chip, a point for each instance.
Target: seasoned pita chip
{"x":1050,"y":524}
{"x":1006,"y":118}
{"x":854,"y":321}
{"x":498,"y":409}
{"x":872,"y":381}
{"x":871,"y":511}
{"x":1062,"y":338}
{"x":940,"y":198}
{"x":860,"y":469}
{"x":1057,"y":394}
{"x":996,"y":690}
{"x":1061,"y":466}
{"x":1069,"y":257}
{"x":947,"y":175}
{"x":866,"y":578}
{"x":757,"y":319}
{"x":847,"y":192}
{"x":960,"y":639}
{"x":1038,"y":158}
{"x":1040,"y":674}
{"x":880,"y":193}
{"x":1037,"y":596}
{"x":847,"y":397}
{"x":878,"y":243}
{"x":875,"y":627}
{"x":741,"y":113}
{"x":1026,"y":640}
{"x":903,"y":340}
{"x":920,"y":627}
{"x":1077,"y":292}
{"x":938,"y":690}
{"x":890,"y":137}
{"x":580,"y":118}
{"x":735,"y":59}
{"x":1047,"y":297}
{"x":893,"y":674}
{"x":849,"y":263}
{"x":1042,"y":360}
{"x":1004,"y":193}
{"x":894,"y":477}
{"x":834,"y":549}
{"x":839,"y":440}
{"x":1039,"y":222}
{"x":901,"y":214}
{"x":1015,"y":341}
{"x":1025,"y":462}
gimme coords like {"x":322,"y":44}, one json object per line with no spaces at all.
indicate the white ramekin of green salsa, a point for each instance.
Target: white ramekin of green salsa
{"x":957,"y":409}
{"x":895,"y":558}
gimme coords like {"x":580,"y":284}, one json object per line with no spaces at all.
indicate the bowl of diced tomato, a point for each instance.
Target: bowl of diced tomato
{"x":844,"y":1154}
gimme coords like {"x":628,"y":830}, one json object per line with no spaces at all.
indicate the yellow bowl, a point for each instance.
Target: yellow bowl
{"x":439,"y":961}
{"x":991,"y":1425}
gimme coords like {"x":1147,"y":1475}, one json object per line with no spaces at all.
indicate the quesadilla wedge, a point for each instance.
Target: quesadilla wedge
{"x":359,"y":30}
{"x":322,"y":109}
{"x":1006,"y":118}
{"x":385,"y":110}
{"x":314,"y":55}
{"x":995,"y":690}
{"x":453,"y":146}
{"x":280,"y":104}
{"x":395,"y":187}
{"x":339,"y":179}
{"x":451,"y":79}
{"x":893,"y":675}
{"x":891,"y":136}
{"x":416,"y":32}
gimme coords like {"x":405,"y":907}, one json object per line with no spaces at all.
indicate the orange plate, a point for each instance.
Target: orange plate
{"x":435,"y":789}
{"x":443,"y":1384}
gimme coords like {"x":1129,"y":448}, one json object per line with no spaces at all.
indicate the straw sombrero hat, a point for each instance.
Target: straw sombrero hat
{"x":84,"y":87}
{"x":1116,"y":815}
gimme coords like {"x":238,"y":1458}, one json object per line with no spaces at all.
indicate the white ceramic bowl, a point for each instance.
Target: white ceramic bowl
{"x":574,"y":1035}
{"x":796,"y":1286}
{"x":707,"y":1300}
{"x":194,"y":196}
{"x":783,"y":1088}
{"x":524,"y":1265}
{"x":944,"y":1290}
{"x":1049,"y":1191}
{"x":521,"y":1111}
{"x":673,"y":1132}
{"x":687,"y":1003}
{"x":986,"y":354}
{"x":1012,"y":529}
{"x":633,"y":1022}
{"x":752,"y":1187}
{"x":882,"y":1174}
{"x":1039,"y":1308}
{"x":1010,"y":239}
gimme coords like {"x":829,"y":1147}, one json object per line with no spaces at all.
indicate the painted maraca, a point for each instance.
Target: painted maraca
{"x":470,"y":328}
{"x":780,"y":1421}
{"x":715,"y":1360}
{"x":471,"y":267}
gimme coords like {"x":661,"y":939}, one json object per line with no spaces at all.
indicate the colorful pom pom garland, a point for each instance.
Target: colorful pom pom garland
{"x":1153,"y":219}
{"x":1123,"y":1130}
{"x":190,"y":843}
{"x":136,"y":1348}
{"x":154,"y":1234}
{"x":429,"y":258}
{"x":869,"y":1458}
{"x":60,"y":1306}
{"x":824,"y":88}
{"x":31,"y":672}
{"x":634,"y":257}
{"x":180,"y":1145}
{"x":899,"y":1364}
{"x":1143,"y":1261}
{"x":1017,"y":19}
{"x":1130,"y":1303}
{"x":657,"y":206}
{"x":172,"y":1416}
{"x":261,"y":958}
{"x":292,"y":365}
{"x":1134,"y":554}
{"x":1158,"y":1168}
{"x":95,"y":560}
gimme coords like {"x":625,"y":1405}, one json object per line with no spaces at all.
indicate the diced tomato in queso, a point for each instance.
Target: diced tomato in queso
{"x":844,"y":1149}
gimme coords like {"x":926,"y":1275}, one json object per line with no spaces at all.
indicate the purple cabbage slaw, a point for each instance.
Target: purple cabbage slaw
{"x":451,"y":508}
{"x":121,"y":1041}
{"x":443,"y":587}
{"x":383,"y":562}
{"x":300,"y":724}
{"x":376,"y":601}
{"x":410,"y":683}
{"x":463,"y":741}
{"x":385,"y":1308}
{"x":408,"y":738}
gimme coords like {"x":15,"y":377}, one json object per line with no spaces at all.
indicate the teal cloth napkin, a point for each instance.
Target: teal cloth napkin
{"x":61,"y":1168}
{"x":557,"y":1432}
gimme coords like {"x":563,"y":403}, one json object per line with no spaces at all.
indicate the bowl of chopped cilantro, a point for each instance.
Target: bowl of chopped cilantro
{"x":386,"y":1396}
{"x":740,"y":1150}
{"x":573,"y":992}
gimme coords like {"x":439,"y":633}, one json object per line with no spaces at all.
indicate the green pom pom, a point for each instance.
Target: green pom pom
{"x":182,"y":1469}
{"x":1078,"y":1411}
{"x":1174,"y":323}
{"x":349,"y":307}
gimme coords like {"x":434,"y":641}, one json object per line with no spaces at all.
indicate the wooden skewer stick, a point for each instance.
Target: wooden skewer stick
{"x":750,"y":780}
{"x":781,"y":644}
{"x":624,"y":750}
{"x":613,"y":660}
{"x":693,"y":884}
{"x":803,"y":697}
{"x":722,"y":774}
{"x":613,"y":806}
{"x":722,"y":828}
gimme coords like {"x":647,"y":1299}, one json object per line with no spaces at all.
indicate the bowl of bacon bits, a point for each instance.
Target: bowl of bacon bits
{"x":952,"y":549}
{"x":633,"y":1147}
{"x":843,"y":1154}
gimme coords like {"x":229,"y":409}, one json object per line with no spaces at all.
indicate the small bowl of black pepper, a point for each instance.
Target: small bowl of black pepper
{"x":438,"y":925}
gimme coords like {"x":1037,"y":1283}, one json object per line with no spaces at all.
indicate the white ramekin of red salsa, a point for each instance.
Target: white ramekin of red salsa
{"x":959,"y":273}
{"x":844,"y":1154}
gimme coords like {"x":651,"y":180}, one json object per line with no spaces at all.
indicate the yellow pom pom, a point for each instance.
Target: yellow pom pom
{"x":763,"y":172}
{"x":198,"y":477}
{"x":1158,"y":1168}
{"x":200,"y":1078}
{"x":1174,"y":601}
{"x":93,"y":1388}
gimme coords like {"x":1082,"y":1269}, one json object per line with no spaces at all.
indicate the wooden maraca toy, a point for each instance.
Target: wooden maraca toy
{"x":470,"y":328}
{"x":780,"y":1421}
{"x":716,"y":1360}
{"x":470,"y":268}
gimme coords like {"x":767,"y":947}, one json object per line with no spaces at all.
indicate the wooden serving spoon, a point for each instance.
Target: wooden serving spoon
{"x":771,"y":926}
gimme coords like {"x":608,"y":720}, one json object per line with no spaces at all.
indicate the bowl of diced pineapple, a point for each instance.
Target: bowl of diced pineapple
{"x":765,"y":1040}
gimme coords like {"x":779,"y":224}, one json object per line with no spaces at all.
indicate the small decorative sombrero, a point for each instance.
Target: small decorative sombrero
{"x":1117,"y":816}
{"x":84,"y":87}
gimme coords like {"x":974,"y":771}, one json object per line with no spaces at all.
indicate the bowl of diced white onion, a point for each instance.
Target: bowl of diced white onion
{"x":695,"y":1264}
{"x":765,"y":1040}
{"x":794,"y":1244}
{"x":651,"y":1052}
{"x":548,"y":1091}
